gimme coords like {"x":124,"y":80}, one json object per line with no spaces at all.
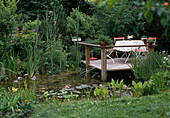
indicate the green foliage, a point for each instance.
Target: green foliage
{"x":120,"y":20}
{"x":139,"y":89}
{"x":13,"y":102}
{"x":3,"y":76}
{"x":144,"y":36}
{"x":148,"y":87}
{"x":31,"y":8}
{"x":101,"y":93}
{"x":31,"y":25}
{"x":159,"y":81}
{"x":50,"y":29}
{"x":150,"y":40}
{"x":7,"y":16}
{"x":144,"y":67}
{"x":116,"y":86}
{"x":81,"y":24}
{"x":11,"y":64}
{"x":103,"y":38}
{"x":35,"y":59}
{"x":49,"y":96}
{"x":152,"y":7}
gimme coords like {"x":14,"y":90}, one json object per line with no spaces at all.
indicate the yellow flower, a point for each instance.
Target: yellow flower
{"x":26,"y":100}
{"x":13,"y":114}
{"x":19,"y":110}
{"x":14,"y":89}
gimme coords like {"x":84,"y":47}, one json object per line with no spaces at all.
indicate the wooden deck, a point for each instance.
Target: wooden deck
{"x":104,"y":64}
{"x":119,"y":64}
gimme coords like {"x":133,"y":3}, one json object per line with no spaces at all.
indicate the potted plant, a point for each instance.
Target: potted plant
{"x":150,"y":41}
{"x":74,"y":38}
{"x":103,"y":40}
{"x":144,"y":38}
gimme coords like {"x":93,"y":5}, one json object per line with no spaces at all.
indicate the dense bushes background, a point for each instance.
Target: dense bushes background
{"x":46,"y":23}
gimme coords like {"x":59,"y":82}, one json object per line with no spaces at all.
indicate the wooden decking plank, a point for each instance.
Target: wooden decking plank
{"x":119,"y":64}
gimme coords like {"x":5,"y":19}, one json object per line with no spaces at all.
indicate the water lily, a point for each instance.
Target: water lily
{"x":34,"y":78}
{"x":67,"y":87}
{"x":14,"y":89}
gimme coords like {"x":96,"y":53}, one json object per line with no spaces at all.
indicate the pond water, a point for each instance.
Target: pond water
{"x":48,"y":82}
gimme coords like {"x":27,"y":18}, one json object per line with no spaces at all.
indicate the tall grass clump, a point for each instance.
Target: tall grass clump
{"x":144,"y":67}
{"x":10,"y":64}
{"x":36,"y":58}
{"x":49,"y":31}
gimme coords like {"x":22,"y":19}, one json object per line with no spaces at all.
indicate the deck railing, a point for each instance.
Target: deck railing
{"x":103,"y":56}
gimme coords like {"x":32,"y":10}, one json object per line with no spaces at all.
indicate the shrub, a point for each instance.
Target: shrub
{"x":7,"y":16}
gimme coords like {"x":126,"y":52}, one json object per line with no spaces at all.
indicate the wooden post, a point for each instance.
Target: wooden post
{"x":87,"y":52}
{"x":103,"y":64}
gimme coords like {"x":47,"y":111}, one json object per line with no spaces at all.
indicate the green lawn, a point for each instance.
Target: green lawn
{"x":144,"y":107}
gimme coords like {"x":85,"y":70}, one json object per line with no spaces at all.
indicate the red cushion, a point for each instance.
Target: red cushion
{"x":110,"y":49}
{"x":93,"y":58}
{"x":141,"y":50}
{"x":119,"y":38}
{"x":154,"y":38}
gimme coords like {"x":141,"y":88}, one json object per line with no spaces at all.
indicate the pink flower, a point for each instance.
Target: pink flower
{"x":124,"y":86}
{"x":10,"y":41}
{"x":67,"y":87}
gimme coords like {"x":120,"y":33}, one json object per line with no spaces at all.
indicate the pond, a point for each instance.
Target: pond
{"x":46,"y":83}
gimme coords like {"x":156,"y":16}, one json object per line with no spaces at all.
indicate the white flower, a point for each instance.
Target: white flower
{"x":26,"y":75}
{"x":165,"y":58}
{"x":19,"y":78}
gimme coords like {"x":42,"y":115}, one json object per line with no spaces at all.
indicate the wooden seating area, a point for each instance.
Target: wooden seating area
{"x":105,"y":64}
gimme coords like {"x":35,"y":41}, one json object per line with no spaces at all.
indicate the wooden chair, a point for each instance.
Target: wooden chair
{"x":110,"y":51}
{"x":118,"y":38}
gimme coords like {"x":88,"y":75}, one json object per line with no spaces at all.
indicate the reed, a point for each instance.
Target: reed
{"x":145,"y":67}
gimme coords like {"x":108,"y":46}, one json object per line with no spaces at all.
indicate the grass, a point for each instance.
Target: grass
{"x":155,"y":106}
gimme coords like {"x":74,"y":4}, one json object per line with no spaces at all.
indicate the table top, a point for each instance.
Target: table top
{"x":126,"y":43}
